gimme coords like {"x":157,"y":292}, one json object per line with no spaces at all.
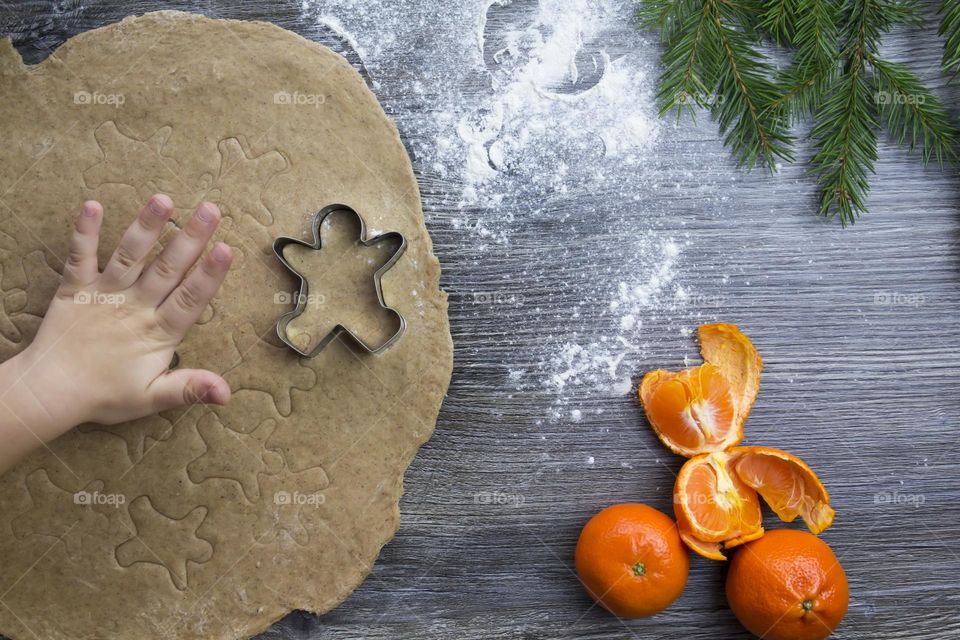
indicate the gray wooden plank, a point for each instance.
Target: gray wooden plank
{"x":858,"y":327}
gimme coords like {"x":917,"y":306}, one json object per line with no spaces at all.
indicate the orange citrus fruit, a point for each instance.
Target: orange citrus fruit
{"x":702,"y":409}
{"x":691,"y":411}
{"x":631,"y":560}
{"x":716,"y":497}
{"x":788,"y":585}
{"x":712,"y":503}
{"x":786,"y":484}
{"x":699,"y":413}
{"x":710,"y":550}
{"x":725,"y":347}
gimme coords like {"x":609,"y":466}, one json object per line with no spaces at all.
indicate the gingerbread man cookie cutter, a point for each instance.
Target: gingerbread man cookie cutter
{"x":280,"y":243}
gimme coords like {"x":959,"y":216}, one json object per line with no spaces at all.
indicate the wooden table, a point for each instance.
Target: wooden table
{"x":859,"y":329}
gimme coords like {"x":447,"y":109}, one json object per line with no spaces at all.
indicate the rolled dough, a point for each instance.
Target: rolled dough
{"x":213,"y":522}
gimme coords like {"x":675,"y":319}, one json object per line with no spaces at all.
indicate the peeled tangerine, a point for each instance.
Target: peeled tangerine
{"x":699,"y":413}
{"x":702,"y":410}
{"x":716,"y":497}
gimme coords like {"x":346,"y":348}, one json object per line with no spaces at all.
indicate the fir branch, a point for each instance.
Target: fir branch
{"x":912,"y":114}
{"x":664,"y":15}
{"x":686,"y":72}
{"x":709,"y":60}
{"x":846,"y":142}
{"x":712,"y":58}
{"x":845,"y":131}
{"x":779,"y":20}
{"x":815,"y":35}
{"x":815,"y":62}
{"x":950,"y":30}
{"x":752,"y":129}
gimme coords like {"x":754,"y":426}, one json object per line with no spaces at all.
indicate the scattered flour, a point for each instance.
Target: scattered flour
{"x":517,"y":107}
{"x":598,"y":364}
{"x":539,"y":103}
{"x":337,"y":27}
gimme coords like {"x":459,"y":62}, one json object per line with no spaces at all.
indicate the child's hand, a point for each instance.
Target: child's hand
{"x":103,"y":351}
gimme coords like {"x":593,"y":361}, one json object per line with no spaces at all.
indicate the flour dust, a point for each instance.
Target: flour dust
{"x":514,"y":112}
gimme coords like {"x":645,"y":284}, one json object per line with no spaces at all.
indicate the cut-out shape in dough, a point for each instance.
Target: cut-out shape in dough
{"x":8,"y":330}
{"x":139,"y":435}
{"x":235,"y":457}
{"x":22,"y":307}
{"x":340,"y":272}
{"x":252,"y":242}
{"x":42,"y":284}
{"x":267,"y":367}
{"x":284,"y":496}
{"x":125,"y":157}
{"x":48,"y":497}
{"x":164,"y":541}
{"x":242,"y":178}
{"x":11,"y":253}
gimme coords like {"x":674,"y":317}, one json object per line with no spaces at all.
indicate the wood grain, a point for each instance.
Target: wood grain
{"x":865,"y":391}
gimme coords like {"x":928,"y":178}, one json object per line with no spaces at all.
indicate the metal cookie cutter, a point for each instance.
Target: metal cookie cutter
{"x":318,"y":218}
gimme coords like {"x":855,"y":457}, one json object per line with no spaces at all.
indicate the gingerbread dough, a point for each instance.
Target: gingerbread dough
{"x":211,"y":522}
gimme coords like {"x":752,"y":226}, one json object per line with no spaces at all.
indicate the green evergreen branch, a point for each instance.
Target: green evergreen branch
{"x":682,"y":26}
{"x":836,"y":78}
{"x":753,"y":130}
{"x":779,"y":20}
{"x":845,"y":131}
{"x":815,"y":62}
{"x":846,"y":142}
{"x":816,"y":36}
{"x":709,"y":61}
{"x":912,"y":114}
{"x":950,"y":30}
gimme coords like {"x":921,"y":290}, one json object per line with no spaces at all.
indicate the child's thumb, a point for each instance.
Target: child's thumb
{"x":182,"y":387}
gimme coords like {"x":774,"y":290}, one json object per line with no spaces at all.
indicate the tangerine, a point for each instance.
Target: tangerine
{"x":787,"y":585}
{"x":631,"y":560}
{"x":702,"y":409}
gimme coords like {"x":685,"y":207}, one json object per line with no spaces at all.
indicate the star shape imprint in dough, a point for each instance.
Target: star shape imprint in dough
{"x":165,"y":541}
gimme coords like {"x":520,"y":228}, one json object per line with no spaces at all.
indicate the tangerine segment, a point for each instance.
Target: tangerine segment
{"x":709,"y":550}
{"x":693,"y":411}
{"x":725,"y":347}
{"x":786,"y":483}
{"x":715,"y":504}
{"x":748,"y":537}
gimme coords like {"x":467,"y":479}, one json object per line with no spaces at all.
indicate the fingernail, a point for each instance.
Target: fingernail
{"x":160,"y":204}
{"x":221,"y":253}
{"x":91,"y":208}
{"x":211,"y":394}
{"x":205,"y":213}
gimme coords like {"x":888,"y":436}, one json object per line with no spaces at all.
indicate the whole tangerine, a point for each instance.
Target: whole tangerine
{"x":631,"y":560}
{"x":787,"y":585}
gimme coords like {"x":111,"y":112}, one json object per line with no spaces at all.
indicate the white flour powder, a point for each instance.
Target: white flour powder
{"x":515,"y":106}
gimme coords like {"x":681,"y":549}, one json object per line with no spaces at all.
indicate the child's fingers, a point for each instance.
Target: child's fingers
{"x":80,"y":268}
{"x":168,"y":269}
{"x":125,"y":265}
{"x":182,"y":387}
{"x":186,"y":303}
